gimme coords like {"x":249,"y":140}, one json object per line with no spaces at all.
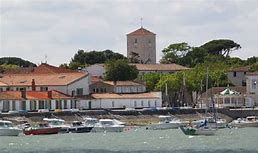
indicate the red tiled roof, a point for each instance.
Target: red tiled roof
{"x":141,"y":31}
{"x":41,"y":79}
{"x":48,"y":69}
{"x":20,"y":70}
{"x":95,"y":79}
{"x":160,"y":67}
{"x":32,"y":95}
{"x":149,"y":95}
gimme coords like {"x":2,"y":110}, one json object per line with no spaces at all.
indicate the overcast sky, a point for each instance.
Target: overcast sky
{"x":31,"y":29}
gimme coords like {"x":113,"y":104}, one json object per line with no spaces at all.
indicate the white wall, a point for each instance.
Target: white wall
{"x":82,"y":83}
{"x":96,"y":70}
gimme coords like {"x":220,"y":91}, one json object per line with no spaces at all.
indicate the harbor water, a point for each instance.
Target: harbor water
{"x":135,"y":141}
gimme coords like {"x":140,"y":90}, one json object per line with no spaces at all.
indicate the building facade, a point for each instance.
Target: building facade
{"x":143,"y":43}
{"x":237,"y":76}
{"x":252,"y":87}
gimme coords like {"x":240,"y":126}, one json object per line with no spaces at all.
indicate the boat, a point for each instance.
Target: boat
{"x":250,"y":121}
{"x":198,"y":131}
{"x":167,"y":122}
{"x":105,"y":125}
{"x":79,"y":127}
{"x":56,"y":122}
{"x":212,"y":123}
{"x":7,"y":129}
{"x":41,"y":129}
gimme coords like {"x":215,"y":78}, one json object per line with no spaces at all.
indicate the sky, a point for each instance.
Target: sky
{"x":54,"y":30}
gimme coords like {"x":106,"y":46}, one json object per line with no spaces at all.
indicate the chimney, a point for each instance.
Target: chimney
{"x":23,"y":94}
{"x":33,"y":85}
{"x":49,"y":94}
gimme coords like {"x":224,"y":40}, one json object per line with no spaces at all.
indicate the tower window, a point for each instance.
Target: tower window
{"x":135,"y":41}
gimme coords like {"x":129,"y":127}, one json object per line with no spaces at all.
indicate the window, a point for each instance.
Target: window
{"x":49,"y":104}
{"x":79,"y":91}
{"x":135,"y":104}
{"x":41,"y":104}
{"x":94,"y":90}
{"x":65,"y":104}
{"x":113,"y":104}
{"x":73,"y":103}
{"x":156,"y":103}
{"x":7,"y":89}
{"x":6,"y":107}
{"x":97,"y":90}
{"x":1,"y":89}
{"x":73,"y":92}
{"x":23,"y":105}
{"x":142,"y":103}
{"x":13,"y":105}
{"x":149,"y":105}
{"x":43,"y":88}
{"x":105,"y":90}
{"x":101,"y":90}
{"x":234,"y":74}
{"x":135,"y":41}
{"x":58,"y":104}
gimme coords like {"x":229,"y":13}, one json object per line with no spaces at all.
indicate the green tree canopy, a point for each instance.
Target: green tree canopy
{"x":175,"y":51}
{"x":82,"y":58}
{"x":221,"y":47}
{"x":120,"y":70}
{"x":16,"y":61}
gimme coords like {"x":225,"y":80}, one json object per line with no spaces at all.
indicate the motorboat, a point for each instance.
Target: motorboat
{"x":79,"y":127}
{"x":250,"y":121}
{"x":7,"y":129}
{"x":198,"y":131}
{"x":56,"y":122}
{"x":212,"y":122}
{"x":41,"y":129}
{"x":167,"y":122}
{"x":105,"y":125}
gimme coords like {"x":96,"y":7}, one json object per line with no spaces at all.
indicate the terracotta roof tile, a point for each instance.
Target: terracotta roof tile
{"x":149,"y":95}
{"x":160,"y":67}
{"x":48,"y":69}
{"x":253,"y":73}
{"x":240,"y":69}
{"x":33,"y":95}
{"x":41,"y":79}
{"x":141,"y":31}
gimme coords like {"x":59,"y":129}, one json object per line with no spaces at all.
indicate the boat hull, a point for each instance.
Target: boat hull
{"x":10,"y":132}
{"x":41,"y":131}
{"x":108,"y":129}
{"x":199,"y":131}
{"x":164,"y":126}
{"x":80,"y":129}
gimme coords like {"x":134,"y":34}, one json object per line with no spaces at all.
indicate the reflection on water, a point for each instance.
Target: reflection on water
{"x":136,"y":141}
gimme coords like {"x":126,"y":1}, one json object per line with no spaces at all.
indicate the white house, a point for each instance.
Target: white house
{"x":35,"y":100}
{"x":44,"y":78}
{"x":252,"y":87}
{"x":116,"y":101}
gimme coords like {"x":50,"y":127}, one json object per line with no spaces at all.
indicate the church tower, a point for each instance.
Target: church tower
{"x":142,"y":43}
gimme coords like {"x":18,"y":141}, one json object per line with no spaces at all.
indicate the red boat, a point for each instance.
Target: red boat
{"x":42,"y":129}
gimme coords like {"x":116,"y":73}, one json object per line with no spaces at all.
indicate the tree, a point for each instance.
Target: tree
{"x":195,"y":56}
{"x":221,"y":47}
{"x":134,"y":58}
{"x":120,"y":70}
{"x":16,"y":61}
{"x":175,"y":51}
{"x":82,"y":58}
{"x":151,"y":80}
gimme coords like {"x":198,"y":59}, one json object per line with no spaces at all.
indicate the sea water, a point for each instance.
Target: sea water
{"x":135,"y":141}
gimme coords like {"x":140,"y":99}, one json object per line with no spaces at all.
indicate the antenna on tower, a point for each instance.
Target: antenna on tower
{"x":141,"y":22}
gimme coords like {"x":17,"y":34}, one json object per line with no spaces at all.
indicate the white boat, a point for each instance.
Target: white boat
{"x":198,"y":131}
{"x":7,"y":129}
{"x":105,"y":125}
{"x":250,"y":121}
{"x":167,"y":122}
{"x":212,"y":123}
{"x":59,"y":123}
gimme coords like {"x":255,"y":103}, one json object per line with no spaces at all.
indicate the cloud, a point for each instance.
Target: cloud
{"x":32,"y":29}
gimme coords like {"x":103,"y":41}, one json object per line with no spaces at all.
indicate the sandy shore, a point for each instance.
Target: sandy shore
{"x":130,"y":120}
